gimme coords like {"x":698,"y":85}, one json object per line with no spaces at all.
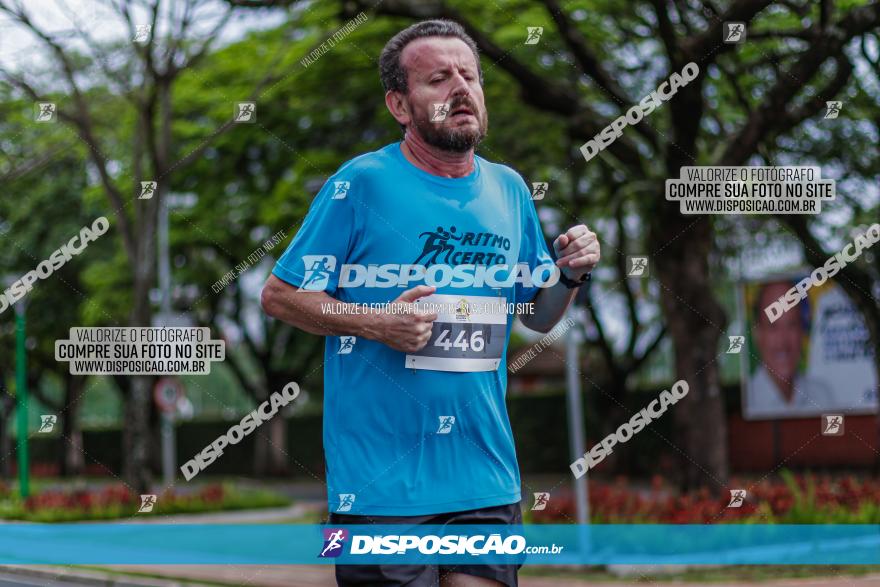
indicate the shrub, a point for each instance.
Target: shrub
{"x":789,"y":500}
{"x":116,"y":501}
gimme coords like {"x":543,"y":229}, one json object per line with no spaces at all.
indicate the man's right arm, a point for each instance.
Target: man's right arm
{"x":406,"y":329}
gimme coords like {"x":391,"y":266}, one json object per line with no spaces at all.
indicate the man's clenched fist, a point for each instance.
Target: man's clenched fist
{"x":406,"y":328}
{"x":577,"y":251}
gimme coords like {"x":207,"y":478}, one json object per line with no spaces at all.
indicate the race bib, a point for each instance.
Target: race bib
{"x":467,"y":336}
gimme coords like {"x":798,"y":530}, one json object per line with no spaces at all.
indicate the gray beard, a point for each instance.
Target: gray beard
{"x":442,"y":137}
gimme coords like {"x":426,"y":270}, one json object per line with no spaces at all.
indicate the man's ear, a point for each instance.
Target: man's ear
{"x":398,"y":107}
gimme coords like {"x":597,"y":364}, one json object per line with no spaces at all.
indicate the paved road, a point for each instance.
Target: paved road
{"x":322,"y":576}
{"x":54,"y":576}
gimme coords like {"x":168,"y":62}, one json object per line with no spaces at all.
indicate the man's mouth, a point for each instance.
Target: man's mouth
{"x":462,"y":111}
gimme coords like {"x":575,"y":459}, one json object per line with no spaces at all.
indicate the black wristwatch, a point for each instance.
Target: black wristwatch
{"x":571,"y":283}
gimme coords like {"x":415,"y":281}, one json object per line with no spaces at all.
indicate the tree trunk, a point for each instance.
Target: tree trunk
{"x":72,"y":461}
{"x":137,"y":441}
{"x":136,"y":460}
{"x":270,"y":446}
{"x":696,"y":322}
{"x":278,"y":464}
{"x":136,"y":433}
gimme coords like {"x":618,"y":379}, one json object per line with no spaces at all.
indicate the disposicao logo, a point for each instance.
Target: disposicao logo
{"x":319,"y":268}
{"x":333,"y":541}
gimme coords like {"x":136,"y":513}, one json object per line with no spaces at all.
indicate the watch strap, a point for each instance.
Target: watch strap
{"x":571,"y":283}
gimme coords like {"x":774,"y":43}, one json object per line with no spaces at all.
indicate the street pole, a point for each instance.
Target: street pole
{"x":168,"y":448}
{"x":21,"y":398}
{"x":576,"y":419}
{"x":164,"y":260}
{"x":576,"y":433}
{"x":167,"y":430}
{"x":573,"y":376}
{"x":166,"y":426}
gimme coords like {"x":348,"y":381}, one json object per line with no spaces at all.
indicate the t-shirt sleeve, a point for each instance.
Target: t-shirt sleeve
{"x":323,"y":243}
{"x":533,"y":250}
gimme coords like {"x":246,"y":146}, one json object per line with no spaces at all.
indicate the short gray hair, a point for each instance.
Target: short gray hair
{"x":393,"y":74}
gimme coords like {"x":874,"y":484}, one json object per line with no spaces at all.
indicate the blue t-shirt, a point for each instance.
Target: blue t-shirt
{"x":416,"y":441}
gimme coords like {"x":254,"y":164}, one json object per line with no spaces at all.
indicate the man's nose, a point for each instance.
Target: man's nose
{"x":460,"y":87}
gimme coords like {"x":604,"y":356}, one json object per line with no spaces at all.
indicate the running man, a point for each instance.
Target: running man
{"x":410,"y":369}
{"x":46,"y":112}
{"x":346,"y":344}
{"x":445,"y":425}
{"x":540,"y":501}
{"x":319,"y":271}
{"x":244,"y":112}
{"x":334,"y":542}
{"x":148,"y":188}
{"x":47,"y":423}
{"x":345,"y":503}
{"x":436,"y":243}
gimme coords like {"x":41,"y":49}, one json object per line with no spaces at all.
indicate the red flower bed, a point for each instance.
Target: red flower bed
{"x":766,"y":501}
{"x":108,"y":502}
{"x":112,"y":496}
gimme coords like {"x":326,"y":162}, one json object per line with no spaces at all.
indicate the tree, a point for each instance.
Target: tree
{"x":58,"y":200}
{"x":259,"y":180}
{"x":143,"y":72}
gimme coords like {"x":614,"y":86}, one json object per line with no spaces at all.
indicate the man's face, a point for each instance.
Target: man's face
{"x":779,"y":344}
{"x":444,"y":70}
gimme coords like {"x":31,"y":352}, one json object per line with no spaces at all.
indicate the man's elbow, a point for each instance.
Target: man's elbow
{"x":269,"y":300}
{"x":529,"y":322}
{"x":275,"y":299}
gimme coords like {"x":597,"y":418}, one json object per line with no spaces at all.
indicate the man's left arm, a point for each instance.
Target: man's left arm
{"x":577,"y":253}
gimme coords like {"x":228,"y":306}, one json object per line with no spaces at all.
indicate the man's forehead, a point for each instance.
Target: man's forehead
{"x":429,"y":53}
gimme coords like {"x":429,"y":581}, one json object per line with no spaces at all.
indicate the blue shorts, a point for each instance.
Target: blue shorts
{"x":428,"y":575}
